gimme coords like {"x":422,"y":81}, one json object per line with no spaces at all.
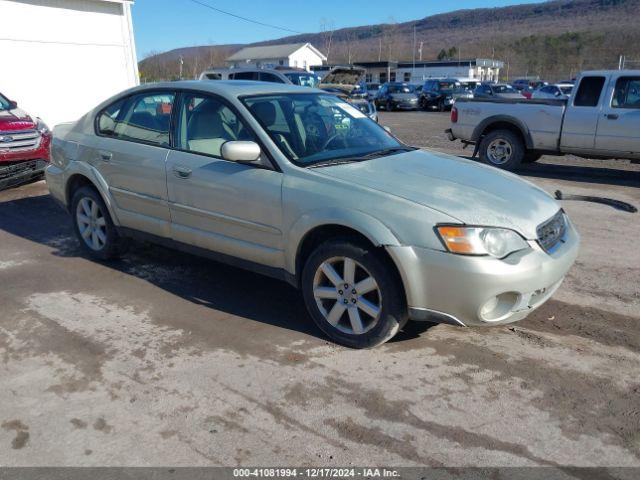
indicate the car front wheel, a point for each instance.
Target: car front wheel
{"x":353,"y":294}
{"x":93,"y":225}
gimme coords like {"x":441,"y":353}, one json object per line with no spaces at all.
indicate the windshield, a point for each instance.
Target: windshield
{"x":303,"y":79}
{"x":312,"y":128}
{"x":4,"y":103}
{"x":504,"y":89}
{"x":402,"y":88}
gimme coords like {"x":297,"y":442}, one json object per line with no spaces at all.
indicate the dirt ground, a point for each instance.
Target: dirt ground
{"x":162,"y":358}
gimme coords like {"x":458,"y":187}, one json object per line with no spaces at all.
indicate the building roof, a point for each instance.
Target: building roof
{"x":271,"y":51}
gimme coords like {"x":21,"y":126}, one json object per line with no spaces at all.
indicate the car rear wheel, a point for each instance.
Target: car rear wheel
{"x":93,"y":225}
{"x":441,"y":106}
{"x":353,"y":295}
{"x":503,"y":149}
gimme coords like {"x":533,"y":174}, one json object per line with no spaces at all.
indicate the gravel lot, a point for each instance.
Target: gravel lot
{"x":167,"y":359}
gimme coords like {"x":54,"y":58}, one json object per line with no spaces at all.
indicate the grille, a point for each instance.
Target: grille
{"x":19,"y":141}
{"x":552,"y":231}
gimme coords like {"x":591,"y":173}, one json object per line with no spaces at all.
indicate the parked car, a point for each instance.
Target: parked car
{"x":527,"y":92}
{"x":24,"y":145}
{"x":441,"y":93}
{"x":348,"y":83}
{"x":601,"y":119}
{"x":521,"y":83}
{"x":469,"y":85}
{"x":397,"y":96}
{"x":560,"y":91}
{"x":299,"y":185}
{"x":293,"y":76}
{"x":496,"y":90}
{"x":372,"y":90}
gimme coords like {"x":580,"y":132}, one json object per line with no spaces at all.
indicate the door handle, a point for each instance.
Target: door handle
{"x":612,"y":116}
{"x":105,"y":156}
{"x":181,"y":171}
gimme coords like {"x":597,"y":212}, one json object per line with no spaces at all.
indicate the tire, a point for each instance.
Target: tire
{"x":502,"y":149}
{"x":441,"y":106}
{"x":325,"y":299}
{"x":531,"y":157}
{"x":388,"y":106}
{"x":107,"y":244}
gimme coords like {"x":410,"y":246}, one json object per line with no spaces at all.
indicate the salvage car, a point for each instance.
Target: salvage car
{"x":348,"y":83}
{"x":24,"y":145}
{"x":397,"y":96}
{"x":601,"y":119}
{"x":441,"y":94}
{"x":297,"y":184}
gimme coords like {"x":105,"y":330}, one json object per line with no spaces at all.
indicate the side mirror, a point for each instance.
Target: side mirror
{"x":241,"y":151}
{"x":13,"y":104}
{"x":557,"y":94}
{"x":386,"y":129}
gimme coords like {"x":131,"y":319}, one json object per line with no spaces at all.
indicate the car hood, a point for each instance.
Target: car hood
{"x":344,"y":79}
{"x":471,"y":193}
{"x":15,"y":120}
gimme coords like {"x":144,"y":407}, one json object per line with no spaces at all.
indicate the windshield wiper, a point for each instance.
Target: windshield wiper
{"x":360,"y":158}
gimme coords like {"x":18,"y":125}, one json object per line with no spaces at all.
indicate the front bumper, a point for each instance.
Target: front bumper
{"x":16,"y":173}
{"x":472,"y":290}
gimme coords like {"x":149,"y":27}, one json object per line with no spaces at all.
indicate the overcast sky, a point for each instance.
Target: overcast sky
{"x":162,"y":25}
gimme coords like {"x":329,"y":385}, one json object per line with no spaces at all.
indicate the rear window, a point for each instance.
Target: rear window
{"x":589,"y":92}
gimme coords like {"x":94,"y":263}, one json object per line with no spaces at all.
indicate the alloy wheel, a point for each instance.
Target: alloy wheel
{"x":350,"y":301}
{"x":499,"y":151}
{"x":92,"y":224}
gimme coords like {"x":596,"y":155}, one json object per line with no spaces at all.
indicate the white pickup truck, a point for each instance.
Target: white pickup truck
{"x":601,"y":119}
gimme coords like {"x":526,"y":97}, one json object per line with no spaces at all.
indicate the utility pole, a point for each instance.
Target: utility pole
{"x":413,"y":70}
{"x":380,"y":49}
{"x":181,"y":65}
{"x":621,"y":62}
{"x":420,"y":50}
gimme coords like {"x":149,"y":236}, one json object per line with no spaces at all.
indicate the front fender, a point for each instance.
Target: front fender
{"x":377,"y":232}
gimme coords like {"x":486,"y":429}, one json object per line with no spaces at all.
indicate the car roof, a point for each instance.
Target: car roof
{"x":235,"y":88}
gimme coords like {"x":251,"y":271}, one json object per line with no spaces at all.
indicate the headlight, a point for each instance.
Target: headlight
{"x":497,"y":242}
{"x":42,"y":127}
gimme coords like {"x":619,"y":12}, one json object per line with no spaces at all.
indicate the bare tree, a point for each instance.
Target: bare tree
{"x":327,"y":28}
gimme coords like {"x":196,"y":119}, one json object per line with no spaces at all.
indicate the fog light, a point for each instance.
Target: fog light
{"x":499,"y":307}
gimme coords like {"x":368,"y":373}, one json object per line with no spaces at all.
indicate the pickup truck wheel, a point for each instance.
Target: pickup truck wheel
{"x":502,"y":149}
{"x":441,"y":106}
{"x":353,"y":295}
{"x":93,"y":225}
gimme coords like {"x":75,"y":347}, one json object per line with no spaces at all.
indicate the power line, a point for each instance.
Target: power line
{"x":211,"y":7}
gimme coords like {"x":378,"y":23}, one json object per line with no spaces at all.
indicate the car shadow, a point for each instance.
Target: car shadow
{"x":199,"y":280}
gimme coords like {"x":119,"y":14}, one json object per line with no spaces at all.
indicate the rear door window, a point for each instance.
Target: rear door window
{"x":589,"y":92}
{"x":146,"y":118}
{"x":270,"y":77}
{"x":245,"y":76}
{"x":627,"y":93}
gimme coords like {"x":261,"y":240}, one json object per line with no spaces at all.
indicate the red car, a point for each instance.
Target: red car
{"x":24,"y":145}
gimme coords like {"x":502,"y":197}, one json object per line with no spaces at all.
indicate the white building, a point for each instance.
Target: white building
{"x":60,"y":58}
{"x":477,"y":69}
{"x":298,"y":55}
